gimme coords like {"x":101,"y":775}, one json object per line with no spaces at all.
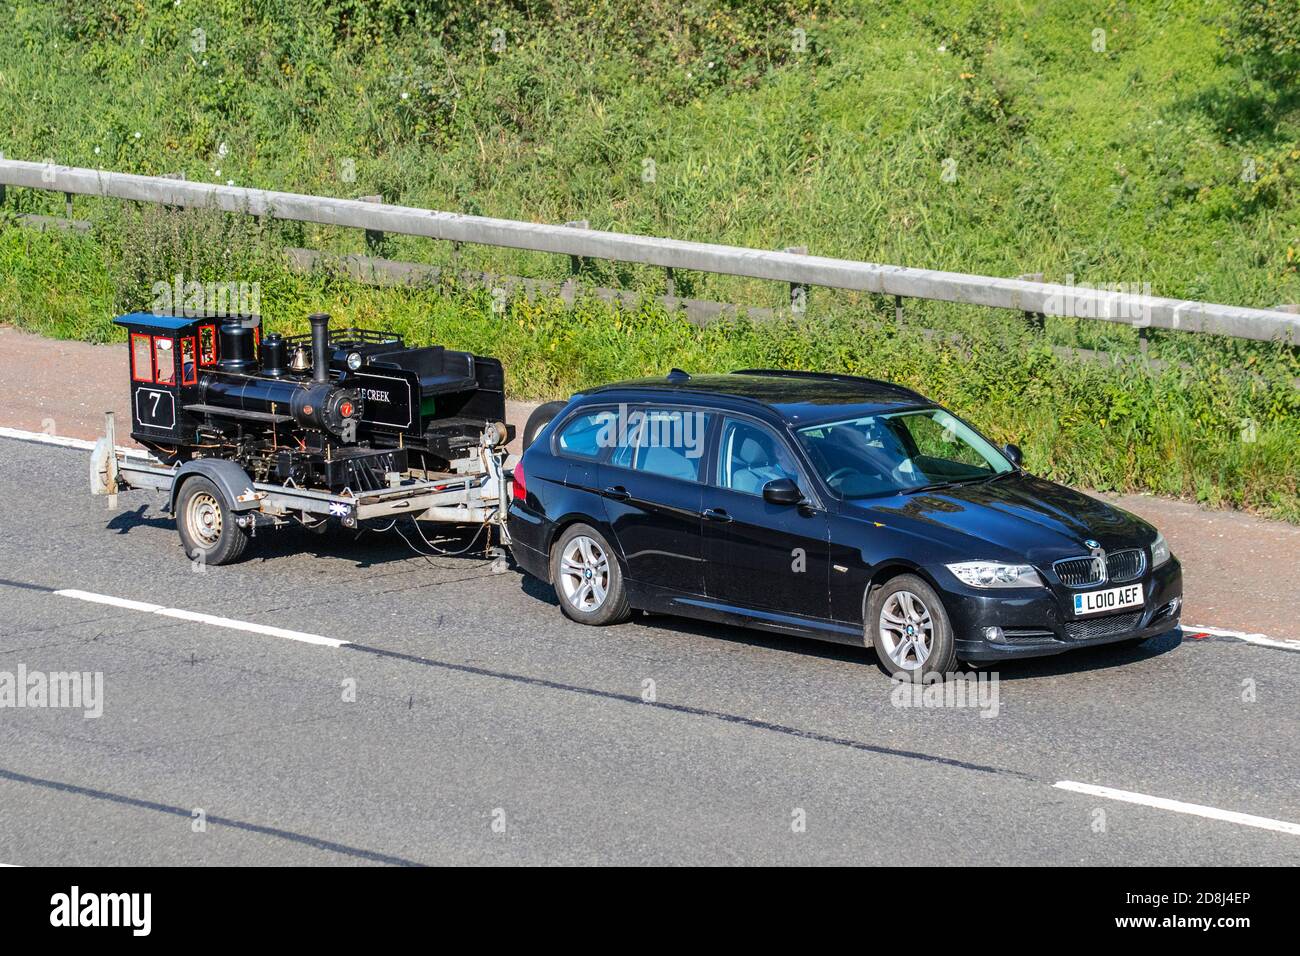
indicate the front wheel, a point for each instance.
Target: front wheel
{"x":909,"y":628}
{"x":206,"y":523}
{"x":587,"y":578}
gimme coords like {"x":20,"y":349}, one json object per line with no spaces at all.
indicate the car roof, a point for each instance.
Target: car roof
{"x":794,"y":396}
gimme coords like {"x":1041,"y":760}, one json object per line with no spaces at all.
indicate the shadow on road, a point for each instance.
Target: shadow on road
{"x":1076,"y":661}
{"x":463,"y":547}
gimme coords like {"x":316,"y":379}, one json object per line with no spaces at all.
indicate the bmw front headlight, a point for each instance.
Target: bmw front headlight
{"x":1159,"y":551}
{"x":992,"y":574}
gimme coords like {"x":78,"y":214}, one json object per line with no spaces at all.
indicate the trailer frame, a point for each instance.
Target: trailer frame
{"x":475,"y":492}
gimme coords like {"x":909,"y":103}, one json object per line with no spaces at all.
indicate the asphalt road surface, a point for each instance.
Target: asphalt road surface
{"x":486,"y":728}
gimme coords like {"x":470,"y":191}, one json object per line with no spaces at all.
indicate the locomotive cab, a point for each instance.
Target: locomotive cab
{"x":169,"y":353}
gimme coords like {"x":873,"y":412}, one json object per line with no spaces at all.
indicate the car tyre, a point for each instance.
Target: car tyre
{"x":587,"y":578}
{"x":206,"y":523}
{"x":908,"y":626}
{"x":539,"y":419}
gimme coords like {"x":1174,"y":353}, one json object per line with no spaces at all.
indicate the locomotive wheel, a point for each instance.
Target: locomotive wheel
{"x":207,"y":524}
{"x":539,"y":419}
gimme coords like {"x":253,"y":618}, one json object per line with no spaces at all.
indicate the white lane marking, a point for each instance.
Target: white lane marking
{"x":109,"y":599}
{"x":63,"y":441}
{"x":199,"y":618}
{"x":1177,"y":806}
{"x":46,"y":439}
{"x":266,"y":629}
{"x":1263,"y":640}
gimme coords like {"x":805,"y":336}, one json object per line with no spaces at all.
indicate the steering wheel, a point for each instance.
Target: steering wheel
{"x":836,"y":476}
{"x":904,"y":477}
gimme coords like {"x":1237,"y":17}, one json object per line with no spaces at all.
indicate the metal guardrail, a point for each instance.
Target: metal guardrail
{"x":797,"y":269}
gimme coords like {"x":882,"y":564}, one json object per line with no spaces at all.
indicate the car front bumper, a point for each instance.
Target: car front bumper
{"x":1039,"y":622}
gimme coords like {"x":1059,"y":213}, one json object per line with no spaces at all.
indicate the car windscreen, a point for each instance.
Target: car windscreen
{"x":903,"y":451}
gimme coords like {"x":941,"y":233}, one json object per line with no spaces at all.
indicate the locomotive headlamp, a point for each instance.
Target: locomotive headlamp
{"x":354,"y":360}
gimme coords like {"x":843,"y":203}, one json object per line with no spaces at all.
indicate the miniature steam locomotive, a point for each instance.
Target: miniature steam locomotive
{"x":345,"y":410}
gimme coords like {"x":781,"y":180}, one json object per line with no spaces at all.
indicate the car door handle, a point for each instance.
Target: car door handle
{"x":618,"y":493}
{"x":715,"y":514}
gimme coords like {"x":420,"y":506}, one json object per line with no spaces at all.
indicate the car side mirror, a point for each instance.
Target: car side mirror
{"x":1014,"y":453}
{"x":782,"y":491}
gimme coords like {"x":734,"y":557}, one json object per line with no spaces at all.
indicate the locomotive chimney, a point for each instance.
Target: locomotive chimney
{"x":320,"y":339}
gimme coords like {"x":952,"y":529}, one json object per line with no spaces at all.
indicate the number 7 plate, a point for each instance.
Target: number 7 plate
{"x":1111,"y":599}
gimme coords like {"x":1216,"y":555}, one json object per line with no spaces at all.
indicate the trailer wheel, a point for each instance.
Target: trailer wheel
{"x":539,"y":419}
{"x":206,"y":523}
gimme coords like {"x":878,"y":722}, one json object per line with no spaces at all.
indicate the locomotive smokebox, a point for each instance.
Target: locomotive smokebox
{"x":320,"y":346}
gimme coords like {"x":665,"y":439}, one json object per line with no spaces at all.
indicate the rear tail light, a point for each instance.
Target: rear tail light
{"x":517,"y":489}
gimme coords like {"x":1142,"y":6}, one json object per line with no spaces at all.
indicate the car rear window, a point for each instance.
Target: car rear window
{"x":585,"y":435}
{"x":664,"y":441}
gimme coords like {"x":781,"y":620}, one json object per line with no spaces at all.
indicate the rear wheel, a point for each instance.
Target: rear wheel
{"x":539,"y":419}
{"x":206,"y":523}
{"x":909,"y":628}
{"x":587,"y":578}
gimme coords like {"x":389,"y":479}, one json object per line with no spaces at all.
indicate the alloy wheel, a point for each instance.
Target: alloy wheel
{"x":584,"y":574}
{"x":906,"y":630}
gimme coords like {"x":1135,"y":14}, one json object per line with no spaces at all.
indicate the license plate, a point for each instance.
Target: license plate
{"x":1111,"y":599}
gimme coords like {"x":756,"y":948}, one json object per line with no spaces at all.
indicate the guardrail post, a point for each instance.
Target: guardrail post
{"x":374,"y":237}
{"x":798,"y":291}
{"x":1036,"y":321}
{"x":67,"y":206}
{"x":575,"y":262}
{"x":179,"y":176}
{"x":898,"y":309}
{"x":670,"y":280}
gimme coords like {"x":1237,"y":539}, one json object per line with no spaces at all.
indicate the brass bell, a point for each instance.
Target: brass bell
{"x":301,"y":361}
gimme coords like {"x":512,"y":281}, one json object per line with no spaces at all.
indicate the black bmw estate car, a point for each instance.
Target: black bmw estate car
{"x":826,"y":506}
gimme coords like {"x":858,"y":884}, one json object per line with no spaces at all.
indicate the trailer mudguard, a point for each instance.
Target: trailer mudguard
{"x":226,"y":475}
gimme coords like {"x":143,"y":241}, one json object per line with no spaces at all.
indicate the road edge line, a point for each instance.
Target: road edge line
{"x":1178,"y":806}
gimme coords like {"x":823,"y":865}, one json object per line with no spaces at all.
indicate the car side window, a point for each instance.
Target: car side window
{"x":664,"y":441}
{"x":585,"y":435}
{"x":749,"y":456}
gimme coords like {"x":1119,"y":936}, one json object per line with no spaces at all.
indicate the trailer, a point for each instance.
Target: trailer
{"x":475,"y":491}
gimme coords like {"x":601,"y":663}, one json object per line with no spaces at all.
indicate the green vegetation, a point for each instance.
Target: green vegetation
{"x":1108,"y":141}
